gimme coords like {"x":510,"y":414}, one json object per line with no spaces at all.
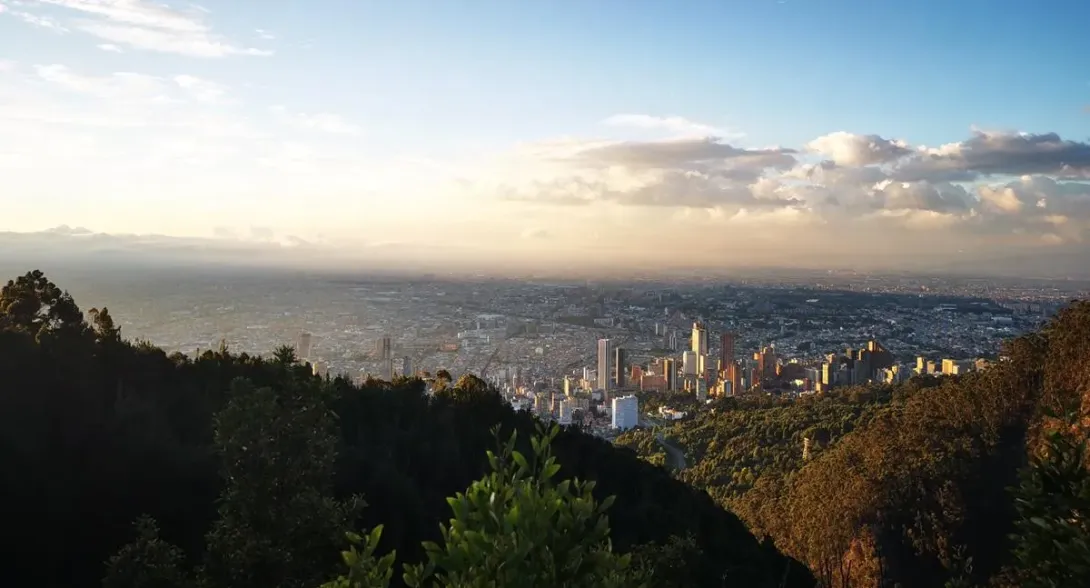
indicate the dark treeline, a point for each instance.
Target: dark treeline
{"x":97,"y":432}
{"x":974,"y":480}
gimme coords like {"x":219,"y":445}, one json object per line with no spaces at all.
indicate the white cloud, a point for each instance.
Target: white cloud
{"x":323,"y":122}
{"x":122,"y":87}
{"x":110,"y":48}
{"x":140,"y":24}
{"x":266,"y":35}
{"x":202,"y":90}
{"x":40,"y":21}
{"x":848,"y":149}
{"x":674,"y":125}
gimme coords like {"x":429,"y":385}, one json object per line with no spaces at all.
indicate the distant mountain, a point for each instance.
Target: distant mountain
{"x":66,"y":245}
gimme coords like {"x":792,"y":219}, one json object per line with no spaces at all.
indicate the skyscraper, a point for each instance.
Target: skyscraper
{"x":669,"y":372}
{"x":626,"y":412}
{"x":407,"y":366}
{"x":700,"y":339}
{"x":619,"y":363}
{"x":726,"y":349}
{"x":688,"y":363}
{"x":303,"y":350}
{"x":383,"y":349}
{"x":605,"y":369}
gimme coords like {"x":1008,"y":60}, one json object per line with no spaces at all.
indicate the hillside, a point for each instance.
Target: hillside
{"x":977,"y":480}
{"x":97,"y":431}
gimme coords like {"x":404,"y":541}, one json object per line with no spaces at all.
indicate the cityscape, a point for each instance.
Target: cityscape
{"x":564,"y":294}
{"x":580,"y":351}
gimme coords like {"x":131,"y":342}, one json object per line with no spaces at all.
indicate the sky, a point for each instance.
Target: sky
{"x":635,"y":132}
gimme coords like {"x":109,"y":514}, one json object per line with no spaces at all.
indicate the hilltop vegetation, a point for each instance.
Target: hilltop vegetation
{"x":970,"y":481}
{"x":122,"y":462}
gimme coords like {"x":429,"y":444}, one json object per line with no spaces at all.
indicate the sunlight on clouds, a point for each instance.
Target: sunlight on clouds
{"x":141,"y":24}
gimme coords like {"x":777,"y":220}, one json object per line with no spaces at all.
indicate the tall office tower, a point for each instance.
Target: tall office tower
{"x":303,"y":350}
{"x":626,"y":412}
{"x":688,"y":363}
{"x":619,"y":363}
{"x":320,"y":368}
{"x":565,"y":412}
{"x":669,"y":372}
{"x":671,"y":340}
{"x":726,"y":349}
{"x":388,"y":369}
{"x":605,"y":370}
{"x":567,"y":386}
{"x":383,"y":349}
{"x":700,"y":339}
{"x":407,"y":366}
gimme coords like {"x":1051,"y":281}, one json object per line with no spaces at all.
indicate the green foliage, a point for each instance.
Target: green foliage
{"x":148,"y":562}
{"x":365,"y":570}
{"x":34,"y":305}
{"x":278,"y":518}
{"x":518,"y":527}
{"x":1052,"y":540}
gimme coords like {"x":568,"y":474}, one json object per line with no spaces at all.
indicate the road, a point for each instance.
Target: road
{"x":675,"y":457}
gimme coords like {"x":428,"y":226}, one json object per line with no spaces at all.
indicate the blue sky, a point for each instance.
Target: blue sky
{"x":454,"y":94}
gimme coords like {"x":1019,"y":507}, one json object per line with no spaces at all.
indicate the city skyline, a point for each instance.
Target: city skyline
{"x":488,"y":134}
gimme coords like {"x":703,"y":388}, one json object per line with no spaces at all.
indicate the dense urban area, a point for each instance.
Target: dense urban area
{"x":555,"y":347}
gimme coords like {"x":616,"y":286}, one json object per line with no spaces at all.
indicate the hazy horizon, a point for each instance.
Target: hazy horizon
{"x":582,"y":138}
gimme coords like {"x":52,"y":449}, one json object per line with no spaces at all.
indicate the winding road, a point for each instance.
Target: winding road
{"x":675,"y":457}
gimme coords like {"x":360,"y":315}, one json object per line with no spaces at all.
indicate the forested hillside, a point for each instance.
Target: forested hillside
{"x":978,"y":480}
{"x":247,"y":471}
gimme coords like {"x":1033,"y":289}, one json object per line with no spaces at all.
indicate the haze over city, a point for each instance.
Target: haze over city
{"x":484,"y":135}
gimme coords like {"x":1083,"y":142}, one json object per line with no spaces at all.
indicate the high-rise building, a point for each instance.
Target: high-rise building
{"x":320,"y":368}
{"x":604,"y":364}
{"x":626,"y":412}
{"x":388,"y":369}
{"x":688,"y":363}
{"x":303,"y":350}
{"x":383,"y":349}
{"x":700,"y":339}
{"x":565,"y":412}
{"x":407,"y":366}
{"x":669,"y":371}
{"x":619,"y":364}
{"x":726,"y":349}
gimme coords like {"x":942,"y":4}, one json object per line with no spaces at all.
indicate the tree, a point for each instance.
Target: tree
{"x":1052,"y":542}
{"x":517,"y":527}
{"x":33,"y":304}
{"x":103,"y":325}
{"x":278,"y":520}
{"x":285,"y":355}
{"x":147,"y":562}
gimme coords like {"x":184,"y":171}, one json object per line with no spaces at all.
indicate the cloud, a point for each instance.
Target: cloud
{"x":40,"y":21}
{"x":688,"y":153}
{"x":848,"y":149}
{"x":266,"y":35}
{"x":110,"y":48}
{"x":150,"y":26}
{"x":323,"y":122}
{"x":992,"y":153}
{"x":675,"y":125}
{"x":202,"y":90}
{"x":960,"y":192}
{"x":125,"y":87}
{"x":682,"y":173}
